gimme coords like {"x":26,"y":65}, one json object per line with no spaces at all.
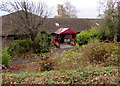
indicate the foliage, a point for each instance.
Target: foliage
{"x":35,"y":56}
{"x":94,"y":33}
{"x":73,"y":66}
{"x":110,"y":21}
{"x":5,"y":57}
{"x":102,"y":35}
{"x":39,"y":55}
{"x":42,"y":42}
{"x":47,"y":64}
{"x":70,"y":60}
{"x":77,"y":46}
{"x":18,"y":46}
{"x":85,"y":36}
{"x":99,"y":51}
{"x":108,"y":29}
{"x":24,"y":19}
{"x":69,"y":52}
{"x":88,"y":75}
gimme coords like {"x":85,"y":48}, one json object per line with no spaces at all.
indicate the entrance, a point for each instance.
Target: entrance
{"x":65,"y":35}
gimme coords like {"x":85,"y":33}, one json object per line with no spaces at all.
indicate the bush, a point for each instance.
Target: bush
{"x":101,"y":52}
{"x":47,"y":63}
{"x":19,"y":46}
{"x":42,"y":42}
{"x":102,"y":35}
{"x":93,"y":33}
{"x":68,"y":60}
{"x":109,"y":28}
{"x":5,"y":57}
{"x":85,"y":36}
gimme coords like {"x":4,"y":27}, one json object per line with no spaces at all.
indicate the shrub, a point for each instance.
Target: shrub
{"x":102,"y":35}
{"x":18,"y":46}
{"x":42,"y":42}
{"x":100,"y":52}
{"x":93,"y":33}
{"x":5,"y":57}
{"x":69,"y":60}
{"x":47,"y":63}
{"x":85,"y":36}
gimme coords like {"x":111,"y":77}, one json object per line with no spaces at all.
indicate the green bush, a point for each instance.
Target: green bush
{"x":19,"y":46}
{"x":85,"y":36}
{"x":94,"y":33}
{"x":42,"y":42}
{"x":5,"y":57}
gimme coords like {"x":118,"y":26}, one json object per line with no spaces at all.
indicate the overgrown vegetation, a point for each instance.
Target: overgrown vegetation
{"x":101,"y":52}
{"x":42,"y":42}
{"x":93,"y":60}
{"x":88,"y":75}
{"x":47,"y":64}
{"x":95,"y":53}
{"x":6,"y":57}
{"x":19,"y":46}
{"x":110,"y":20}
{"x":75,"y":66}
{"x":108,"y":27}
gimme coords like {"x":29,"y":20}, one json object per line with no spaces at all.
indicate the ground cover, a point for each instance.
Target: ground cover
{"x":72,"y":66}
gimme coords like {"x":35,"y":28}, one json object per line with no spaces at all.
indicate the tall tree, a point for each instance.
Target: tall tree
{"x":110,"y":19}
{"x":30,"y":15}
{"x":67,"y":10}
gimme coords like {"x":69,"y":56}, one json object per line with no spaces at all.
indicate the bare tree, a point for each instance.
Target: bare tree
{"x":67,"y":10}
{"x":70,"y":9}
{"x":30,"y":15}
{"x":108,"y":8}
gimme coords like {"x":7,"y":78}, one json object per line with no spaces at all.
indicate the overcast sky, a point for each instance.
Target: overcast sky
{"x":86,"y":8}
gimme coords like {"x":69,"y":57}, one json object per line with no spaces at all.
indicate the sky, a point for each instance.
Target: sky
{"x":86,"y":8}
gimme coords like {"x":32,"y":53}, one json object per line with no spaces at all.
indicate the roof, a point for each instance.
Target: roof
{"x":11,"y":24}
{"x":64,"y":31}
{"x":76,"y":24}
